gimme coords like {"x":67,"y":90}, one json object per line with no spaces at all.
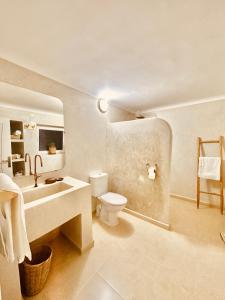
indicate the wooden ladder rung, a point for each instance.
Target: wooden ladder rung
{"x":209,"y":193}
{"x":210,"y":142}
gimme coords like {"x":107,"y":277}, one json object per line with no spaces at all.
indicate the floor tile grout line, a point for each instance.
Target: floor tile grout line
{"x":110,"y":285}
{"x":91,"y":276}
{"x":86,"y":283}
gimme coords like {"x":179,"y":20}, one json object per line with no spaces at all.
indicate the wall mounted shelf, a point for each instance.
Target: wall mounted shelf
{"x":17,"y":141}
{"x":17,"y":160}
{"x":17,"y":147}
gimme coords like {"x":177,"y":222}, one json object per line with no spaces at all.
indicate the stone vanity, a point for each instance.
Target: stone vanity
{"x":65,"y":204}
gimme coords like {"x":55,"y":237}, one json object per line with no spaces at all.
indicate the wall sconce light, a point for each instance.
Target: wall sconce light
{"x":30,"y":125}
{"x":102,"y":105}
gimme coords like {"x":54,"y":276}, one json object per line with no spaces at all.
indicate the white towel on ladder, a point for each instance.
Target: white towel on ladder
{"x":209,"y":167}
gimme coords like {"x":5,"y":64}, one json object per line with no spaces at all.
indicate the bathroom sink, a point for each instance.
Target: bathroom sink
{"x":65,"y":205}
{"x":44,"y":191}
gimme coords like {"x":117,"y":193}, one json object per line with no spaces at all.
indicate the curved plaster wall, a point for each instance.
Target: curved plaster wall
{"x":130,"y":145}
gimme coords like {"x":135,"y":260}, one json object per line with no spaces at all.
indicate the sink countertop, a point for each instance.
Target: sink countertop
{"x":74,"y":183}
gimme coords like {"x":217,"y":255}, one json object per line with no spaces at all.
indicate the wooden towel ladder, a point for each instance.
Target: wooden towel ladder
{"x":220,"y":143}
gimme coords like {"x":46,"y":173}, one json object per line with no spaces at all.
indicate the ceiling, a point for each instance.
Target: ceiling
{"x":14,"y":96}
{"x":152,"y":53}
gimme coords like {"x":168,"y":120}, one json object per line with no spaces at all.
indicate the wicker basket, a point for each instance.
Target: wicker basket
{"x":34,"y":273}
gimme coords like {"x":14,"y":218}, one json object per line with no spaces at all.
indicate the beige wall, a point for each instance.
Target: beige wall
{"x":85,"y":126}
{"x":130,"y":145}
{"x":46,"y":118}
{"x":206,"y":120}
{"x":85,"y":133}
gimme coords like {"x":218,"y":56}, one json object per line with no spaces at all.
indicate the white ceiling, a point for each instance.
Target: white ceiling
{"x":153,"y":52}
{"x":14,"y":96}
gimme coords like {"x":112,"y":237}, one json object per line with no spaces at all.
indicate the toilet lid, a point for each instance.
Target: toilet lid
{"x":114,"y":199}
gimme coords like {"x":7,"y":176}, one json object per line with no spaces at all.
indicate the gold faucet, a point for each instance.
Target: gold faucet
{"x":28,"y":155}
{"x":36,"y":176}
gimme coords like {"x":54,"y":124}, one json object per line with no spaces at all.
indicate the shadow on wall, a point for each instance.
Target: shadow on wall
{"x":130,"y":145}
{"x":116,"y":114}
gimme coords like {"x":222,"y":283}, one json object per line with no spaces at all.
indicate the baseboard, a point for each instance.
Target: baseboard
{"x":148,"y":219}
{"x":202,"y":202}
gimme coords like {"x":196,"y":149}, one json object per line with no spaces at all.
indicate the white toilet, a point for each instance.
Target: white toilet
{"x":110,"y":203}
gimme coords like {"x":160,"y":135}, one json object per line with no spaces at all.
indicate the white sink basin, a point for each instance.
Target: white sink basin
{"x":65,"y":204}
{"x":44,"y":191}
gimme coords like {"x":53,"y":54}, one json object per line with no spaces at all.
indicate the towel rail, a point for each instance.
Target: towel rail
{"x":209,"y":193}
{"x":210,"y":142}
{"x":220,"y":142}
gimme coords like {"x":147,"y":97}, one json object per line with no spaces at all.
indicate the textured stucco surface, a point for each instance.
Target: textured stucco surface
{"x":130,"y":145}
{"x":157,"y":53}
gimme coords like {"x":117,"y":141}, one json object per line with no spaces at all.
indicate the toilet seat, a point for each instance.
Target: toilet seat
{"x":113,"y":199}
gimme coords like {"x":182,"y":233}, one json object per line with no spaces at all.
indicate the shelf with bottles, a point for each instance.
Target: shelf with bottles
{"x":17,"y":147}
{"x":18,"y":168}
{"x":17,"y":141}
{"x":16,"y":130}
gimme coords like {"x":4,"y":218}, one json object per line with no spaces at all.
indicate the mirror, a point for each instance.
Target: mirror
{"x":31,"y":123}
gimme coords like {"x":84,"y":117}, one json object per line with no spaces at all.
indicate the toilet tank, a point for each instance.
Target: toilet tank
{"x":99,"y":183}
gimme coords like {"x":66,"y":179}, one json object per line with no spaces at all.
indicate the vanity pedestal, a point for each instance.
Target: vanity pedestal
{"x":9,"y":280}
{"x":64,"y":204}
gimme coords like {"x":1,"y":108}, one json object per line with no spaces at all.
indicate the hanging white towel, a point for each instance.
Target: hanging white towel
{"x":13,"y":236}
{"x":209,"y":168}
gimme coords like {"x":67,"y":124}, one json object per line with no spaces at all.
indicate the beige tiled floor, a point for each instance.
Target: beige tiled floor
{"x":140,"y":261}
